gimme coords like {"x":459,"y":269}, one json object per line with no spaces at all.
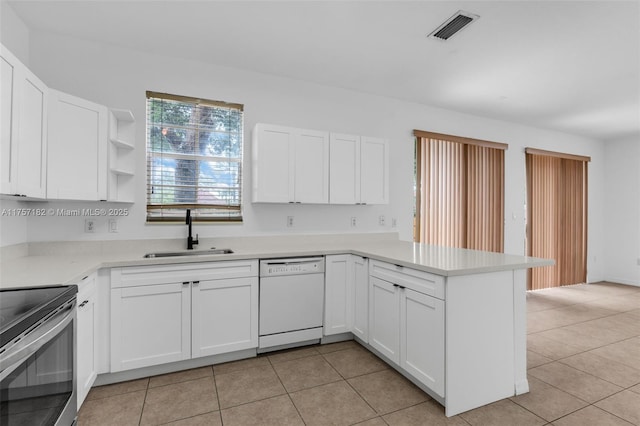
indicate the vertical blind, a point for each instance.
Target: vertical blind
{"x":459,"y":192}
{"x":557,"y":217}
{"x":194,"y":158}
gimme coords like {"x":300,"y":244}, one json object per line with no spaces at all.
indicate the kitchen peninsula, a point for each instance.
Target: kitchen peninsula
{"x":474,"y":350}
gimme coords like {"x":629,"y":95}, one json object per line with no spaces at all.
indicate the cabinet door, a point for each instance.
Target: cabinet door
{"x":384,"y":318}
{"x":374,"y":171}
{"x":225,"y":315}
{"x":86,"y":337}
{"x":24,"y":129}
{"x":77,"y":149}
{"x":150,"y":325}
{"x":422,"y":338}
{"x":32,"y":136}
{"x":338,"y":294}
{"x":8,"y":116}
{"x":360,"y":297}
{"x":311,"y":162}
{"x":344,"y":178}
{"x":273,"y":156}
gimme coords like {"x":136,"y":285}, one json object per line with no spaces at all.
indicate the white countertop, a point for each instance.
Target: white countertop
{"x":38,"y":264}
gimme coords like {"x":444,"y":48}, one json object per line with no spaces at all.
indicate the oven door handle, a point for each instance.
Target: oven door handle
{"x":33,"y":341}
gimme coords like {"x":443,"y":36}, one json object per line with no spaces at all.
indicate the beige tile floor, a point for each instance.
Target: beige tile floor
{"x":583,"y":360}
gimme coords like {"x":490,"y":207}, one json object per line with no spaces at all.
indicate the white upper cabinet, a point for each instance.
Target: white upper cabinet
{"x":345,"y":169}
{"x":272,"y":148}
{"x":7,"y":77}
{"x":24,"y":129}
{"x":308,"y":166}
{"x":77,"y":156}
{"x":311,"y":183}
{"x":359,"y":170}
{"x":290,"y":165}
{"x":374,"y":171}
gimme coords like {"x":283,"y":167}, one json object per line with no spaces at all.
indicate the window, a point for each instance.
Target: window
{"x":459,"y":192}
{"x":194,"y":159}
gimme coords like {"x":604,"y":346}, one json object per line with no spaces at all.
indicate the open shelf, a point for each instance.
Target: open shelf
{"x":123,"y":172}
{"x":121,"y":156}
{"x":122,"y":144}
{"x":123,"y":115}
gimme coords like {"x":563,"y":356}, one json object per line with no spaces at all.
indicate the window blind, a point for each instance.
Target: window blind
{"x":194,"y":158}
{"x":459,"y":192}
{"x":557,"y":217}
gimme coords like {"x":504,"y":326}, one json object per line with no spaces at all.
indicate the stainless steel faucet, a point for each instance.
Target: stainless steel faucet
{"x":190,"y":240}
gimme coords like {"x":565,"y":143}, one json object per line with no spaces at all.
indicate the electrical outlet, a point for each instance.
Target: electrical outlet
{"x":381,"y":220}
{"x":89,"y":225}
{"x":353,"y":221}
{"x":394,"y":222}
{"x":289,"y":221}
{"x":113,"y":225}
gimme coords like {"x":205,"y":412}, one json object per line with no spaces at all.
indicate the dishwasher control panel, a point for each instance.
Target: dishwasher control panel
{"x":294,"y":266}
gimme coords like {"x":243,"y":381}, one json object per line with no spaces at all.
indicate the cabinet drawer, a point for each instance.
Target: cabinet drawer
{"x":87,"y":287}
{"x":420,"y":281}
{"x":158,"y":274}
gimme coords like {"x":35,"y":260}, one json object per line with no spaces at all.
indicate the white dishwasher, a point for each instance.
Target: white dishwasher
{"x":291,"y":302}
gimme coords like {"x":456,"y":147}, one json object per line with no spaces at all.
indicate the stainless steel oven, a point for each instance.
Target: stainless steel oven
{"x":37,"y":356}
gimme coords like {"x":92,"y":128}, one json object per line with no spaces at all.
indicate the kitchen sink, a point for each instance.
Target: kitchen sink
{"x":189,"y":253}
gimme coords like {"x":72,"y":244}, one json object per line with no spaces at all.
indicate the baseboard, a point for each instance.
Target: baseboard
{"x":634,"y":283}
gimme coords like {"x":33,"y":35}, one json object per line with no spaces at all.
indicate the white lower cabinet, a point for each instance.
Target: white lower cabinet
{"x":422,"y":338}
{"x":405,"y":324}
{"x":384,"y":322}
{"x":360,"y":326}
{"x":86,"y":320}
{"x":171,"y":313}
{"x":338,"y":305}
{"x":150,"y":325}
{"x":346,"y":295}
{"x":224,"y":315}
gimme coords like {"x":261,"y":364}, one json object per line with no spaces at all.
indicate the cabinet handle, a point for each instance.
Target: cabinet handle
{"x":83,"y":303}
{"x":185,"y":282}
{"x":196,"y":282}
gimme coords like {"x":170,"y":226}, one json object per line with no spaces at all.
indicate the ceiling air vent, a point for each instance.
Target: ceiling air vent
{"x":452,"y":25}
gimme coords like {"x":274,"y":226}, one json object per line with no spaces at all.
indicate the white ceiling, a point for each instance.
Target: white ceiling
{"x":572,"y":66}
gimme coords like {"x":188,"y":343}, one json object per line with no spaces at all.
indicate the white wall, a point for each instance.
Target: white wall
{"x":14,"y":34}
{"x":119,"y":77}
{"x":622,"y":211}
